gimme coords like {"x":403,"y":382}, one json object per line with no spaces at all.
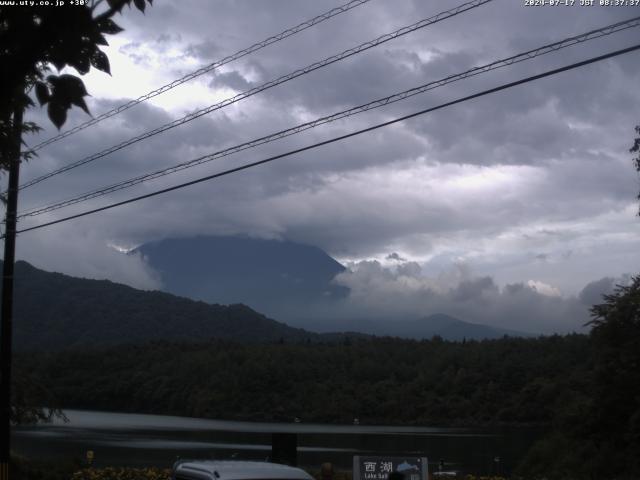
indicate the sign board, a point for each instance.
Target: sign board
{"x":379,"y":467}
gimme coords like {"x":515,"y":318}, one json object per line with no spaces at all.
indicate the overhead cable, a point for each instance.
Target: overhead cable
{"x":206,"y":69}
{"x":336,"y":139}
{"x":270,"y":84}
{"x":396,"y":97}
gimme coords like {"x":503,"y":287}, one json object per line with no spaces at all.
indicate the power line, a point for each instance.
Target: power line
{"x":285,"y":78}
{"x":201,"y":71}
{"x":342,"y":137}
{"x":591,"y":35}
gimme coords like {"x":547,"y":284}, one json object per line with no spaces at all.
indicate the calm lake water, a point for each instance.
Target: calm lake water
{"x":145,"y":440}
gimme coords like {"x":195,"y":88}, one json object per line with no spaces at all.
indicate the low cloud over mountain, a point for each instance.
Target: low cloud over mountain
{"x":305,"y":287}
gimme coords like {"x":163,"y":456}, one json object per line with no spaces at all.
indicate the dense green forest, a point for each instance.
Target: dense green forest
{"x":380,"y":380}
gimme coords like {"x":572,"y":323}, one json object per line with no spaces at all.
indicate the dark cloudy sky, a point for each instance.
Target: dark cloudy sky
{"x":501,"y":210}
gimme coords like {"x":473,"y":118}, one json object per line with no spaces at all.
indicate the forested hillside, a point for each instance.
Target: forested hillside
{"x":55,"y":311}
{"x":508,"y":381}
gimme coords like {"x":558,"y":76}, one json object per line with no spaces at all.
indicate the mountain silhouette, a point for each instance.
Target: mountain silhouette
{"x":278,"y":278}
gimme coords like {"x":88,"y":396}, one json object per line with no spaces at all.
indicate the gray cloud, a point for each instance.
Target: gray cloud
{"x":232,"y":79}
{"x":406,"y":293}
{"x":87,"y":256}
{"x":482,"y":183}
{"x":593,"y":293}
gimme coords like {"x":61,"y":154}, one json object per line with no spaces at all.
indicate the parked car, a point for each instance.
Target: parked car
{"x":235,"y":470}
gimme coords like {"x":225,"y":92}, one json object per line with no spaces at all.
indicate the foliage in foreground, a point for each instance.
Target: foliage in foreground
{"x":21,"y":468}
{"x":601,"y":438}
{"x":35,"y":37}
{"x":122,"y":473}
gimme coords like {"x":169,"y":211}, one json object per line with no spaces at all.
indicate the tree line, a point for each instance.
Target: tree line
{"x":511,"y":381}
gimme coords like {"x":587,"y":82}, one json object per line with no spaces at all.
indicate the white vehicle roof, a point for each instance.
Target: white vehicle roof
{"x":237,"y":470}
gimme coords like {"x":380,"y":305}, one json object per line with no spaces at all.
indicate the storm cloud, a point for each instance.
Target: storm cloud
{"x":532,"y":189}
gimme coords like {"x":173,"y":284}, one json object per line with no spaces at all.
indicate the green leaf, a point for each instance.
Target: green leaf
{"x":57,"y":113}
{"x":26,"y":101}
{"x":140,"y":5}
{"x":100,"y":40}
{"x":67,"y":90}
{"x":42,"y":93}
{"x":109,"y":27}
{"x":117,"y":4}
{"x":53,"y":80}
{"x":73,"y":85}
{"x":81,"y":63}
{"x":100,"y":61}
{"x":79,"y":102}
{"x":58,"y":63}
{"x":30,"y":127}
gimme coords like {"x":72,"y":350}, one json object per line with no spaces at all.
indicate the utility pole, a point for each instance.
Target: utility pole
{"x":7,"y":292}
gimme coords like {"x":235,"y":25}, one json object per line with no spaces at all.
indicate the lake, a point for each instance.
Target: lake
{"x":120,"y":439}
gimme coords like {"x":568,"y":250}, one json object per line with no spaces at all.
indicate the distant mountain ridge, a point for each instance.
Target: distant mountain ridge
{"x":277,"y":277}
{"x":439,"y":324}
{"x":451,"y":328}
